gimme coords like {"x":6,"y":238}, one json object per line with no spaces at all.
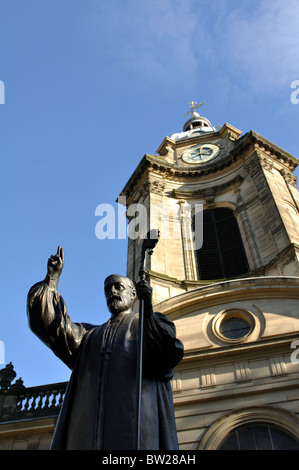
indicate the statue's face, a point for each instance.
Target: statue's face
{"x":119,"y":293}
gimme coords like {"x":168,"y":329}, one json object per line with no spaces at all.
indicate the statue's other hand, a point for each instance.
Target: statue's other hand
{"x":144,"y":291}
{"x":55,"y":264}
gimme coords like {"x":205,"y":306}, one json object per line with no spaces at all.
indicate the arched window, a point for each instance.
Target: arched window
{"x":256,"y":427}
{"x":222,"y":254}
{"x":259,"y":436}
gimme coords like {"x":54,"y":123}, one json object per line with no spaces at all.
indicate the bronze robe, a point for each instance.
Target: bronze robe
{"x":98,"y":411}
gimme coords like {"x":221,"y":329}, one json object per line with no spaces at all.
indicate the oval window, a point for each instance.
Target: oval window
{"x":234,"y":328}
{"x":233,"y":325}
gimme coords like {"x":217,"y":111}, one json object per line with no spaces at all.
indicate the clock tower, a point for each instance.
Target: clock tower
{"x":226,"y":271}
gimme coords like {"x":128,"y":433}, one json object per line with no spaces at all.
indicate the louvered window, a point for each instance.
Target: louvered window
{"x":222,"y":254}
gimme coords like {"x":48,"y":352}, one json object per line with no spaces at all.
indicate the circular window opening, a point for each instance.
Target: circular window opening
{"x":234,"y":328}
{"x":233,"y":325}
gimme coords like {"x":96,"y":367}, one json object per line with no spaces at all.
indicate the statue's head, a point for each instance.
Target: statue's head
{"x":120,"y":294}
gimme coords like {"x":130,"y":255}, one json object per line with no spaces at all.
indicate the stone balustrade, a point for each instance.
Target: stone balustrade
{"x":44,"y":400}
{"x":18,"y":402}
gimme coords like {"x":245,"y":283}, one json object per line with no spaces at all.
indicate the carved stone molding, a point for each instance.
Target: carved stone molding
{"x":289,"y":177}
{"x":157,"y":187}
{"x":210,"y":193}
{"x":166,"y":150}
{"x":259,"y":142}
{"x":257,"y":162}
{"x":266,"y":163}
{"x":152,"y":186}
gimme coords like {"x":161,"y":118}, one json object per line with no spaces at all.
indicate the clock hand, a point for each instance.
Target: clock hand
{"x":206,"y":151}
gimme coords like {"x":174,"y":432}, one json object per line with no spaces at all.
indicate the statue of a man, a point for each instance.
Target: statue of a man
{"x":99,"y":408}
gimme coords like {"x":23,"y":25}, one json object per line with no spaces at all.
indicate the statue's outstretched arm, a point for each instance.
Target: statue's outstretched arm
{"x":47,"y":314}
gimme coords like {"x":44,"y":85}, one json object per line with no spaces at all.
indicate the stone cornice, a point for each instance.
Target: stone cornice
{"x":251,"y":140}
{"x":237,"y":289}
{"x":215,"y":190}
{"x":156,"y":163}
{"x":256,"y":346}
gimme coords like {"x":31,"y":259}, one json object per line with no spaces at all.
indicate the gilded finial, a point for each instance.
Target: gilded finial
{"x":194,"y":105}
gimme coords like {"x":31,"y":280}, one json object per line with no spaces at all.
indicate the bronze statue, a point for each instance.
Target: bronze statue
{"x":99,"y":409}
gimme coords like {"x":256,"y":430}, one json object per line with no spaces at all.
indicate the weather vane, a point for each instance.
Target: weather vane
{"x":194,"y":105}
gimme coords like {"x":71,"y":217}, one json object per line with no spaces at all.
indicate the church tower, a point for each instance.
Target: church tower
{"x":226,"y":271}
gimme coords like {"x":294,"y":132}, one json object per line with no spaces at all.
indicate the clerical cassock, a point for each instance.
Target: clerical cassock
{"x":98,"y":411}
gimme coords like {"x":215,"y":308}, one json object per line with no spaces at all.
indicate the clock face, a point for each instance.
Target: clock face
{"x":200,"y":153}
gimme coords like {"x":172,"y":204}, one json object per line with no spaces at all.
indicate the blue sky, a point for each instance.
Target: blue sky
{"x":90,"y":87}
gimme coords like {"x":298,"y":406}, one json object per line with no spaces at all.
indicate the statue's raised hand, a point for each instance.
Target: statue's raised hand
{"x":55,"y":266}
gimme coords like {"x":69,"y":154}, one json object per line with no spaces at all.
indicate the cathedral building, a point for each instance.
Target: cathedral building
{"x":226,"y":271}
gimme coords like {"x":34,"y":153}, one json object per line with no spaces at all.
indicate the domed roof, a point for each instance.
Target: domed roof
{"x":196,"y":121}
{"x":196,"y":125}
